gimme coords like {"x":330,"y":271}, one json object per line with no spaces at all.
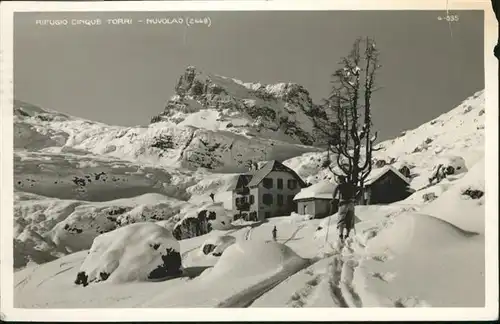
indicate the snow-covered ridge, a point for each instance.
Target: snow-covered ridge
{"x":163,"y":144}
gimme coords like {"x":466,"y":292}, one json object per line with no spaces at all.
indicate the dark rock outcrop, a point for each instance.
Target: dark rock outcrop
{"x":473,"y":193}
{"x":430,"y":196}
{"x":194,"y":226}
{"x":171,"y":266}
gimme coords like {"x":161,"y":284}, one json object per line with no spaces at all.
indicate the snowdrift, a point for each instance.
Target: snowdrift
{"x":249,"y":258}
{"x":416,"y":231}
{"x":135,"y":252}
{"x":419,"y":260}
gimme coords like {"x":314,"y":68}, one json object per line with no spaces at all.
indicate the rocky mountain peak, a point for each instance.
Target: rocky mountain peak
{"x":282,"y":111}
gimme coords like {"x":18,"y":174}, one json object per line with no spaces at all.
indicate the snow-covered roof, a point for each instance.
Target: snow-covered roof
{"x":377,"y":173}
{"x":241,"y":180}
{"x":268,"y":168}
{"x":321,"y":190}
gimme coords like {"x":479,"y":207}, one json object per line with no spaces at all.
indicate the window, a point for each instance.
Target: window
{"x":268,"y":215}
{"x":292,"y":184}
{"x":267,"y":183}
{"x":290,"y":199}
{"x":252,"y":199}
{"x":280,"y":200}
{"x":280,"y":184}
{"x":267,"y":199}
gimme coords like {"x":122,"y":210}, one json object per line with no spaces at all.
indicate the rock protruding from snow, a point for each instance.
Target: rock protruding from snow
{"x":196,"y":222}
{"x":216,"y":245}
{"x":136,"y":252}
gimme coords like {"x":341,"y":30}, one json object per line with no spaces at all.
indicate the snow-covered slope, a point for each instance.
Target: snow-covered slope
{"x":47,"y":228}
{"x":457,"y":133}
{"x":432,"y":261}
{"x":83,"y":187}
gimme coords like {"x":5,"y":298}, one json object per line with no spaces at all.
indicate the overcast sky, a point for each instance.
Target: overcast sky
{"x":123,"y":75}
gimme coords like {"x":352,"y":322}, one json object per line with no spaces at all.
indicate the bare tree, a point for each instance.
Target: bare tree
{"x":346,"y":124}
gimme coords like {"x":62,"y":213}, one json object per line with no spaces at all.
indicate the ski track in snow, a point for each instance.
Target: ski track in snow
{"x":246,"y":297}
{"x":56,"y":274}
{"x":339,"y":276}
{"x":301,"y":226}
{"x":26,"y":280}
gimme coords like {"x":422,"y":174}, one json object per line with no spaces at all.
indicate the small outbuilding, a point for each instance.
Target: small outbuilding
{"x":316,"y":199}
{"x":384,"y":186}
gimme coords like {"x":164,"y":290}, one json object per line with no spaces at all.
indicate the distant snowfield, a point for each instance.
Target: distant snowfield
{"x":77,"y":181}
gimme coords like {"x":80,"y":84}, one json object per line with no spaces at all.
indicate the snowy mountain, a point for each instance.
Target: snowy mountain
{"x":280,"y":111}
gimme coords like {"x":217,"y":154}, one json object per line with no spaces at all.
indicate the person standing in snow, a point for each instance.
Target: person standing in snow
{"x":346,"y":193}
{"x":275,"y":233}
